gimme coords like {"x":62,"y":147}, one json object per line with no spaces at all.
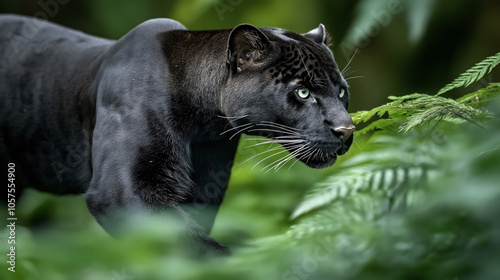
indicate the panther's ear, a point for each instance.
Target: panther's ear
{"x":247,"y":47}
{"x":318,"y":35}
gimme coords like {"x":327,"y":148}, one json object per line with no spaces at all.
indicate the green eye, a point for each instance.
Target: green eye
{"x":303,"y":93}
{"x":342,"y":93}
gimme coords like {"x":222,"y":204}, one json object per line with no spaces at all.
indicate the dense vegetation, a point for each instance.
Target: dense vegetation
{"x":415,"y":198}
{"x":418,"y":199}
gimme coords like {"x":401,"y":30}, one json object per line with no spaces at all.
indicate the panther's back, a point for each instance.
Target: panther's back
{"x":37,"y":124}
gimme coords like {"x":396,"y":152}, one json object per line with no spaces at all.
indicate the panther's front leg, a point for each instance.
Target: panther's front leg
{"x":112,"y":213}
{"x":148,"y":172}
{"x":211,"y":162}
{"x":112,"y":204}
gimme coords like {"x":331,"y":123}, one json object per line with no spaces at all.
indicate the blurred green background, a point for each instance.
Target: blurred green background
{"x":401,"y":47}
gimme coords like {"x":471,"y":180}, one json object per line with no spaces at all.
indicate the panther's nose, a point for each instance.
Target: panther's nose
{"x":345,"y":132}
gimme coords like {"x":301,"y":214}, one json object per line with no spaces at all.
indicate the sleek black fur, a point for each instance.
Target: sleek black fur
{"x":138,"y":123}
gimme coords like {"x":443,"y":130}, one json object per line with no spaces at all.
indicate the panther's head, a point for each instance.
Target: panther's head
{"x":287,"y":86}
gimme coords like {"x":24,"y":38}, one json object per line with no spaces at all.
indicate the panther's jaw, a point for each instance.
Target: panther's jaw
{"x":323,"y":163}
{"x":317,"y":158}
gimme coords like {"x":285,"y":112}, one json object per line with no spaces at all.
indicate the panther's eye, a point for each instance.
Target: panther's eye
{"x":303,"y":93}
{"x":342,"y":93}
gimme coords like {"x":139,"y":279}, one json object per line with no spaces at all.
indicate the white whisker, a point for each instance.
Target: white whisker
{"x":304,"y":153}
{"x":229,"y":122}
{"x":233,"y":118}
{"x":266,"y":151}
{"x":313,"y":151}
{"x":290,"y":167}
{"x":284,"y":147}
{"x":357,"y":145}
{"x":355,"y":77}
{"x":276,"y":142}
{"x":272,"y":130}
{"x":258,"y":138}
{"x":283,"y":160}
{"x":236,"y":128}
{"x":272,"y":163}
{"x":318,"y":154}
{"x":288,"y":137}
{"x":294,"y":154}
{"x":267,"y":158}
{"x":282,"y":126}
{"x":262,"y":138}
{"x":350,"y":60}
{"x":347,"y":72}
{"x":238,"y":132}
{"x":301,"y":156}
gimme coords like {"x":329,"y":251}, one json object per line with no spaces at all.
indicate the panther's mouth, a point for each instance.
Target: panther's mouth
{"x":322,"y":155}
{"x":321,"y":160}
{"x":318,"y":156}
{"x":315,"y":152}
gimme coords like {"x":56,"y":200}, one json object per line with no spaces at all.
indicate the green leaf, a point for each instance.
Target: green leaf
{"x":381,"y":124}
{"x":474,"y":74}
{"x":435,"y":109}
{"x":361,"y":179}
{"x":480,"y":98}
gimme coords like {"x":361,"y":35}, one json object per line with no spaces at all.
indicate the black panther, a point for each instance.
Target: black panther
{"x":141,"y":123}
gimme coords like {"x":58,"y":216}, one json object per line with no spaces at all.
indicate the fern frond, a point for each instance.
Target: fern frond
{"x":391,"y":108}
{"x":380,"y":124}
{"x":474,"y":74}
{"x":407,"y":97}
{"x":480,"y":98}
{"x":411,"y":106}
{"x":366,"y":179}
{"x":422,"y":109}
{"x":438,"y":109}
{"x":364,"y":116}
{"x":334,"y":218}
{"x":410,"y":153}
{"x":394,"y":111}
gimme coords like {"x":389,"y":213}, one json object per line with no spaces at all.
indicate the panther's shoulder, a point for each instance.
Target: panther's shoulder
{"x":153,"y":27}
{"x":142,"y":45}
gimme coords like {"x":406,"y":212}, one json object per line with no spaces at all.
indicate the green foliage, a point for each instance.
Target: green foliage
{"x":421,"y":197}
{"x":420,"y":202}
{"x":474,"y":74}
{"x":432,"y":109}
{"x":407,"y":208}
{"x":384,"y":170}
{"x":409,"y":111}
{"x":434,"y":226}
{"x":482,"y":97}
{"x":370,"y":178}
